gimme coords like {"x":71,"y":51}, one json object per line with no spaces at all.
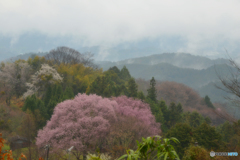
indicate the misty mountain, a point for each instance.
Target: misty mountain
{"x":182,"y":60}
{"x":199,"y":73}
{"x":35,"y":41}
{"x":168,"y":72}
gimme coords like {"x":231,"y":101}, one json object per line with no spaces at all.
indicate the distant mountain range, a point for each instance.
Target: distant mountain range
{"x":26,"y":56}
{"x":182,"y":60}
{"x":197,"y":72}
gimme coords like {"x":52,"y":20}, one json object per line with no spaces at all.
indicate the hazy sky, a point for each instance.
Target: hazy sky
{"x":205,"y":27}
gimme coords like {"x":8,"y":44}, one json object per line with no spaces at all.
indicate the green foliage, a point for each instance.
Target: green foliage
{"x":36,"y":62}
{"x":208,"y":102}
{"x":207,"y":120}
{"x":162,"y":105}
{"x":39,"y":110}
{"x":226,"y":130}
{"x":57,"y":93}
{"x":208,"y":137}
{"x":124,"y":74}
{"x":68,"y":93}
{"x":156,"y":110}
{"x":98,"y":157}
{"x":54,"y":95}
{"x":183,"y":132}
{"x":152,"y":92}
{"x":194,"y":119}
{"x":174,"y":114}
{"x":3,"y":118}
{"x":115,"y":69}
{"x":153,"y":148}
{"x":43,"y":109}
{"x":196,"y":153}
{"x":77,"y":76}
{"x":140,"y":95}
{"x":32,"y":103}
{"x":109,"y":85}
{"x":132,"y":88}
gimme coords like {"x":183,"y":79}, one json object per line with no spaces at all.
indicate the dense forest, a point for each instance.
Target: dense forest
{"x":63,"y":99}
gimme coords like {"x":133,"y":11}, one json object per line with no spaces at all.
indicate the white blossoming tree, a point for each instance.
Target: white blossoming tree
{"x":42,"y":79}
{"x":13,"y":77}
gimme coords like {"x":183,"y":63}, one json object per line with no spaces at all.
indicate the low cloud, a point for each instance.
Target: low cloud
{"x":207,"y":26}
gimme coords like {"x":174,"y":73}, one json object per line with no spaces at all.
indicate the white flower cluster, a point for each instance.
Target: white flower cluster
{"x":31,"y":90}
{"x":44,"y":72}
{"x":40,"y":77}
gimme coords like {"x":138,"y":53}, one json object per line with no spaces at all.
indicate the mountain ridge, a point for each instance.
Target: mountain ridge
{"x":182,"y":60}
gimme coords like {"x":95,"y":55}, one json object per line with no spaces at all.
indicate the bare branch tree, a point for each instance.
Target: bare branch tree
{"x":224,"y":115}
{"x":231,"y":83}
{"x":70,"y":56}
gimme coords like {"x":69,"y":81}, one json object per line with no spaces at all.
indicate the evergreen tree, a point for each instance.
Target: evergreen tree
{"x":132,"y":88}
{"x":42,"y":108}
{"x":124,"y":74}
{"x":117,"y":90}
{"x":48,"y":95}
{"x":95,"y":87}
{"x":174,"y":114}
{"x":208,"y":137}
{"x":107,"y":92}
{"x":194,"y":119}
{"x":140,"y":95}
{"x":38,"y":109}
{"x":68,"y":93}
{"x":57,"y":93}
{"x":226,"y":130}
{"x":208,"y":102}
{"x":162,"y":105}
{"x":115,"y":69}
{"x":30,"y":103}
{"x":179,"y":108}
{"x":103,"y":84}
{"x":207,"y":120}
{"x":152,"y":93}
{"x":50,"y":107}
{"x":183,"y":132}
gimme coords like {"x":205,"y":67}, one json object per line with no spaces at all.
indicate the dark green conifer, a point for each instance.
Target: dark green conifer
{"x":208,"y":102}
{"x":152,"y":92}
{"x":68,"y":93}
{"x":132,"y":88}
{"x":124,"y":74}
{"x":115,"y":69}
{"x":140,"y":95}
{"x":208,"y":137}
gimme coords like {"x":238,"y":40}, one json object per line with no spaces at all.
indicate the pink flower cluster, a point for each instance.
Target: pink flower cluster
{"x":87,"y":119}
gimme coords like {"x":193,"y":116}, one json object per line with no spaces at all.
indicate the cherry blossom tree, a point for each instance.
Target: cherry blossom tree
{"x":134,"y":121}
{"x":41,"y":79}
{"x":91,"y":122}
{"x":80,"y":122}
{"x":129,"y":107}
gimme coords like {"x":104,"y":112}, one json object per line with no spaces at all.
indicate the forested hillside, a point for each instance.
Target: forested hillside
{"x":197,"y":72}
{"x":64,"y":100}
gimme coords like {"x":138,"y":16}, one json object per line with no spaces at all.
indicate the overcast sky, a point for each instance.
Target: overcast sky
{"x":204,"y":27}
